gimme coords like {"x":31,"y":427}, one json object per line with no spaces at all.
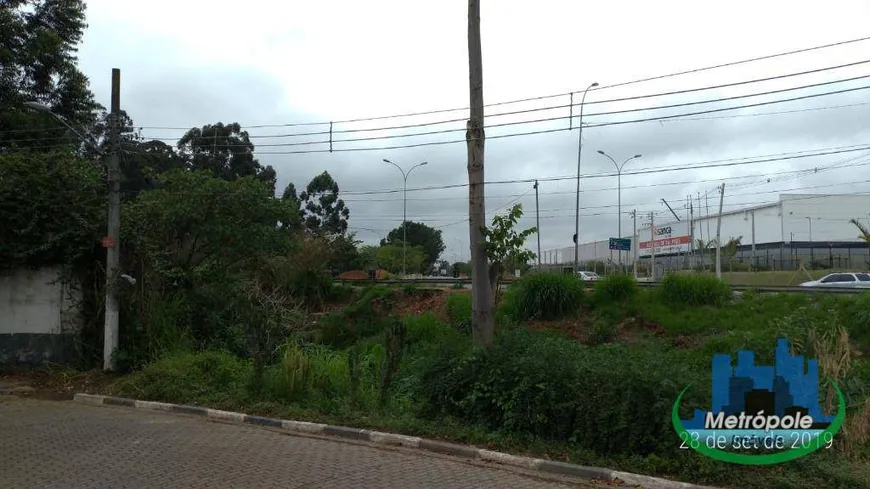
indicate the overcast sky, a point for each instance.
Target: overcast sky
{"x":260,"y":62}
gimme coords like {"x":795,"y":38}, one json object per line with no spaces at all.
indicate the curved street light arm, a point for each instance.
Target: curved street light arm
{"x":44,"y":109}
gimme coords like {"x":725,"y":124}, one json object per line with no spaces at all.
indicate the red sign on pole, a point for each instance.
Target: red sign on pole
{"x":108,"y":242}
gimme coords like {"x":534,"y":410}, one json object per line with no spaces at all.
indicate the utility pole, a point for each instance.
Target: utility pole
{"x":110,"y":332}
{"x":652,"y":247}
{"x":752,"y":260}
{"x":482,"y":319}
{"x":634,"y":244}
{"x":691,"y":230}
{"x":538,"y":224}
{"x":812,"y":254}
{"x":718,"y":233}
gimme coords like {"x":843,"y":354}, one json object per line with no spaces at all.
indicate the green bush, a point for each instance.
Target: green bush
{"x":459,"y":311}
{"x":856,"y":317}
{"x":426,"y":328}
{"x":611,"y":399}
{"x":308,"y":370}
{"x":208,"y":377}
{"x":364,"y":318}
{"x":694,"y":290}
{"x":544,"y":296}
{"x":615,"y":288}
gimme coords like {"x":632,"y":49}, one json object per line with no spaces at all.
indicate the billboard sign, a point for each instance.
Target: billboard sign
{"x":670,"y":238}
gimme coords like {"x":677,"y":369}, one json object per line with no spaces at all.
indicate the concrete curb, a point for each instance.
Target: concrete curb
{"x":390,"y":439}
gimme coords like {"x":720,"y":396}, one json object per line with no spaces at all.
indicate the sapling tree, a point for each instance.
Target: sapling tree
{"x":505,"y":245}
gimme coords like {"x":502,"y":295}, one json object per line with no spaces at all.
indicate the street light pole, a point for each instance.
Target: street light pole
{"x":404,"y":211}
{"x":110,"y":329}
{"x":619,"y":195}
{"x":577,"y":203}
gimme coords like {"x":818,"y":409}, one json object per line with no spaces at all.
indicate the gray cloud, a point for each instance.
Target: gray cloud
{"x":312,"y":68}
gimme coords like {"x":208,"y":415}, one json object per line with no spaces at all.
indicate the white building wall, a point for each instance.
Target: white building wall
{"x":36,"y":312}
{"x":829,"y":214}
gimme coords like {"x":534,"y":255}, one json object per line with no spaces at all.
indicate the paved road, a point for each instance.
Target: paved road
{"x":54,"y":444}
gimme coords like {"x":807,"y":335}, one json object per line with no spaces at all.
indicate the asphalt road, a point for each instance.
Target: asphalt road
{"x":62,"y":444}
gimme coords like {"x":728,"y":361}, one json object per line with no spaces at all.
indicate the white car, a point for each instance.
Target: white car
{"x":589,"y":276}
{"x":841,"y":280}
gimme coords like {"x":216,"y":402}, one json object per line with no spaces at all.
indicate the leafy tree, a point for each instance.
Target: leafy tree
{"x":322,"y":211}
{"x":38,"y":63}
{"x":224,"y":150}
{"x":344,"y":253}
{"x":505,"y":245}
{"x":389,"y":257}
{"x":461,"y":267}
{"x":420,"y":235}
{"x":52,"y":206}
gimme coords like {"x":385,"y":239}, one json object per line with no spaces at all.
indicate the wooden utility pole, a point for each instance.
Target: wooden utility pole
{"x":482,"y":318}
{"x":110,"y":331}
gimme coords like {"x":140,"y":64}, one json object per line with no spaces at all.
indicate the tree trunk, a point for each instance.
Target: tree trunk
{"x":482,"y":319}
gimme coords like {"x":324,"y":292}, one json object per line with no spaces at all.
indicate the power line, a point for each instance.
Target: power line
{"x":638,"y":204}
{"x":649,"y":185}
{"x":529,"y":133}
{"x":549,"y":119}
{"x":545,"y":97}
{"x":710,"y":164}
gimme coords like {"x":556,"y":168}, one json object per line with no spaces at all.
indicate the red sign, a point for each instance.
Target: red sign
{"x":108,"y":242}
{"x":661,"y":243}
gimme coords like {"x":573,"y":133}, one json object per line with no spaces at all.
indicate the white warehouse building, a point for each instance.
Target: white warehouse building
{"x":811,"y":229}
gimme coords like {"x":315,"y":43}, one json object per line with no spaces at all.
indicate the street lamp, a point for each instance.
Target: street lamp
{"x":577,"y":204}
{"x":38,"y":107}
{"x":619,"y":194}
{"x":404,"y":210}
{"x":110,"y":328}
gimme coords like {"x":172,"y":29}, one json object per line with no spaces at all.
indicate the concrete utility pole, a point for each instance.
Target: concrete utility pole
{"x":404,"y":211}
{"x":691,"y":230}
{"x":812,"y":254}
{"x":752,"y":260}
{"x":634,"y":242}
{"x":110,"y":333}
{"x":619,"y":196}
{"x":718,"y":232}
{"x":538,"y":224}
{"x":652,"y":246}
{"x":482,"y":319}
{"x":577,"y":203}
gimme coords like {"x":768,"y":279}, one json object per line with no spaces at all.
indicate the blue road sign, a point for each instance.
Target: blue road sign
{"x":622,"y":244}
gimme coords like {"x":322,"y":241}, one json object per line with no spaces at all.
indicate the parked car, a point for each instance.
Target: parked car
{"x":841,"y":280}
{"x":589,"y":276}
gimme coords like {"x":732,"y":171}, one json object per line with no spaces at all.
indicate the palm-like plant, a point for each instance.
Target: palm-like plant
{"x":864,"y":233}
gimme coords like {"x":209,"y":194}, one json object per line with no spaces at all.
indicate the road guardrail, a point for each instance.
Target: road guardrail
{"x":737,"y":288}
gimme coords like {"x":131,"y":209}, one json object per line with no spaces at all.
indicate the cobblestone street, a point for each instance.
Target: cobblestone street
{"x":54,"y":444}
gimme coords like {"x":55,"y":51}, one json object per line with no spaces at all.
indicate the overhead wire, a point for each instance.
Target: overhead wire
{"x":545,"y":97}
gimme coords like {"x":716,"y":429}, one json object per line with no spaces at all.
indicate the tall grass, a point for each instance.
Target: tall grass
{"x":615,"y":288}
{"x":459,"y":311}
{"x":695,"y":290}
{"x":544,"y":296}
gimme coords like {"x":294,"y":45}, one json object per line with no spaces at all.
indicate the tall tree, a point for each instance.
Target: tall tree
{"x":322,"y":211}
{"x":39,"y":41}
{"x":225,"y":150}
{"x":420,"y":235}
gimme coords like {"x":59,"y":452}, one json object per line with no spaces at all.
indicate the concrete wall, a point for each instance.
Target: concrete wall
{"x":38,"y":316}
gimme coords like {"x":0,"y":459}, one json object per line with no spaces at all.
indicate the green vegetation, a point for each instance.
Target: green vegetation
{"x":615,"y":288}
{"x":594,"y":402}
{"x":694,"y":290}
{"x":544,"y":296}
